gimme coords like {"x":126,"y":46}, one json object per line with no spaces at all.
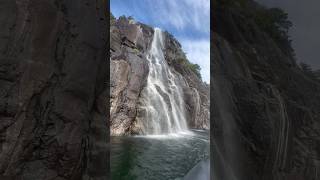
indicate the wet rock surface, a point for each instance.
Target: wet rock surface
{"x":53,"y":69}
{"x":129,"y":46}
{"x":265,"y":109}
{"x":196,"y":92}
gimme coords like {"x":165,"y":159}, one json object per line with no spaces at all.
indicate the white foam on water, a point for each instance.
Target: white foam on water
{"x":182,"y":134}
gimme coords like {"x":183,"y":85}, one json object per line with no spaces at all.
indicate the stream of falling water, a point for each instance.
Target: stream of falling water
{"x":162,"y":96}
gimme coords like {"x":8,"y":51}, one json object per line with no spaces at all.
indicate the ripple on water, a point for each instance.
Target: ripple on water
{"x":157,"y":157}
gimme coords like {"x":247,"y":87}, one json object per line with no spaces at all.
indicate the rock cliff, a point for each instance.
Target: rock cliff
{"x":129,"y":44}
{"x":266,"y":111}
{"x":53,"y":95}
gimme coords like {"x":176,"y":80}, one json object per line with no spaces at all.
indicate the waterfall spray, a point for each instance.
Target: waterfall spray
{"x":162,"y":96}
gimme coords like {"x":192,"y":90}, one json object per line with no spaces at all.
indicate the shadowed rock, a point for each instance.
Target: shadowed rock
{"x":265,"y":109}
{"x":53,"y":69}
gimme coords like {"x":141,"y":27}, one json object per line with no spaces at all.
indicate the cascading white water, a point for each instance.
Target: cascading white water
{"x":162,"y":97}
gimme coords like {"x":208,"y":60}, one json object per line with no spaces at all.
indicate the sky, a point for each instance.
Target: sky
{"x":187,"y":20}
{"x":305,"y":16}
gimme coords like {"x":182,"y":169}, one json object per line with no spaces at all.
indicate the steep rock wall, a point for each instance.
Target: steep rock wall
{"x":53,"y":118}
{"x":130,"y":42}
{"x":265,"y":109}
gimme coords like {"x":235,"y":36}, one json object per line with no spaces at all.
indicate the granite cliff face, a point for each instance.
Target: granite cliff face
{"x":53,"y":95}
{"x":130,"y":42}
{"x":266,"y":111}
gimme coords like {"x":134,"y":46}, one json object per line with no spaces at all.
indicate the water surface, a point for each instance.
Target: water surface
{"x":157,"y":157}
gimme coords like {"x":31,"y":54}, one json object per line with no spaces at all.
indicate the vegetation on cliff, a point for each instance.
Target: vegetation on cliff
{"x":273,"y":21}
{"x":192,"y":66}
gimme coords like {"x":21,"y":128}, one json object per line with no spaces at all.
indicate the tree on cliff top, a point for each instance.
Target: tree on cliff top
{"x":275,"y":22}
{"x":195,"y":68}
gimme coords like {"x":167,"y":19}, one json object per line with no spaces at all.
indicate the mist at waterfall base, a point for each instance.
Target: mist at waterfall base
{"x":166,"y":149}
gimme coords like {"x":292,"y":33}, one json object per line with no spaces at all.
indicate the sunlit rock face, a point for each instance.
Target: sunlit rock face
{"x":266,"y":111}
{"x":152,"y":92}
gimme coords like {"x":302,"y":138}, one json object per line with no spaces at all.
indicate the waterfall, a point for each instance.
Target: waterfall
{"x":163,"y":96}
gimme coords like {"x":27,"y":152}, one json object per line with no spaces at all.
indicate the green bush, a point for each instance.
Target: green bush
{"x":193,"y":67}
{"x":112,"y":19}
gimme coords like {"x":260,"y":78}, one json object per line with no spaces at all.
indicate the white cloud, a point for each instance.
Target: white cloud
{"x":198,"y":51}
{"x":180,"y":14}
{"x":200,"y":13}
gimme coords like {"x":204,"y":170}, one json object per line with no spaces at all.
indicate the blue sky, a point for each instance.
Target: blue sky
{"x":187,"y":20}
